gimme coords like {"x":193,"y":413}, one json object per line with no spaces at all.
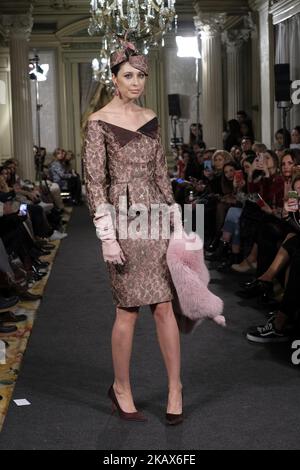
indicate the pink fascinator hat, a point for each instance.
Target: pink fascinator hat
{"x":127,"y":52}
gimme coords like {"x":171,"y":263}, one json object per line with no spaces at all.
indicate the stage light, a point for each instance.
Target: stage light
{"x":188,"y":46}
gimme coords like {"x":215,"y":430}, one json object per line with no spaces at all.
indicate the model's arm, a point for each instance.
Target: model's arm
{"x":94,"y":164}
{"x":162,"y":178}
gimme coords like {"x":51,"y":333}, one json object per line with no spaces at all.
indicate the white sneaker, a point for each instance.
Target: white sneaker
{"x":56,"y":235}
{"x":46,"y":206}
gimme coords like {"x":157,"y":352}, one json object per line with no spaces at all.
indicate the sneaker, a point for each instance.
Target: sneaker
{"x":267,"y":333}
{"x":56,"y":235}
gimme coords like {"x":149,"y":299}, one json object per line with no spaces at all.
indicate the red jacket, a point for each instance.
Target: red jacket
{"x":271,"y":190}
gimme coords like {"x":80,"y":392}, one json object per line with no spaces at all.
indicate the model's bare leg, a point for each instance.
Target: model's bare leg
{"x":122,"y":338}
{"x":169,"y":341}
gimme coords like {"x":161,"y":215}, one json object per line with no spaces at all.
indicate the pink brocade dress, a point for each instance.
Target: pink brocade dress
{"x":120,"y":162}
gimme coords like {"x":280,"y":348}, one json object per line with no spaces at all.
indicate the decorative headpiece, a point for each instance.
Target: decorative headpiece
{"x":127,"y":52}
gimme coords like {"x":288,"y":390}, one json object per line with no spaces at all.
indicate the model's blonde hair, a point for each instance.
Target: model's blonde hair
{"x":101,"y":97}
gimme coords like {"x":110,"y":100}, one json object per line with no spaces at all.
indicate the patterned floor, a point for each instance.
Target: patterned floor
{"x":16,"y":343}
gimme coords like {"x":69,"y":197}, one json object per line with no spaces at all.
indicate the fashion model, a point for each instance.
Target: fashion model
{"x":123,"y":157}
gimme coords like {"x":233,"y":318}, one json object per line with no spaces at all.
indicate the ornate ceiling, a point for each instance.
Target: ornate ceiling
{"x":51,"y":16}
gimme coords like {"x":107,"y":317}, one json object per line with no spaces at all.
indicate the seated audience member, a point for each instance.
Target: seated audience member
{"x":280,"y":151}
{"x":282,"y":139}
{"x":74,"y":183}
{"x":295,"y":138}
{"x":58,"y":174}
{"x":291,"y":243}
{"x":281,"y":326}
{"x":196,"y":137}
{"x":193,"y":165}
{"x":259,"y":148}
{"x":236,"y":154}
{"x":246,"y":143}
{"x":224,"y":199}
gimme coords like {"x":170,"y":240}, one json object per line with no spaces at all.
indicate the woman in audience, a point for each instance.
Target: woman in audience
{"x":67,"y":180}
{"x":282,"y":138}
{"x":225,"y":199}
{"x":196,"y":134}
{"x":266,"y":186}
{"x":287,"y":249}
{"x":236,"y":154}
{"x":295,"y":138}
{"x":192,"y":165}
{"x":231,"y":228}
{"x":259,"y":148}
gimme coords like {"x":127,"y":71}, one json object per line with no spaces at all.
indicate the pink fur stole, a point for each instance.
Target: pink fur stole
{"x":193,"y":302}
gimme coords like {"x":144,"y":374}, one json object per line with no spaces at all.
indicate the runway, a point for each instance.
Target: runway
{"x":237,"y":395}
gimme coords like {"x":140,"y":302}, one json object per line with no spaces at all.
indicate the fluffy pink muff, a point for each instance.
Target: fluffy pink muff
{"x":194,"y":301}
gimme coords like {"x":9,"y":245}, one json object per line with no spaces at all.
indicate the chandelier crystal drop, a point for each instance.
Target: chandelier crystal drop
{"x":144,"y":21}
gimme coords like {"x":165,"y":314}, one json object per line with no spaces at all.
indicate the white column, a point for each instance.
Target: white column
{"x":210,"y":27}
{"x":256,"y":98}
{"x":17,"y":29}
{"x":234,"y":40}
{"x":266,"y":72}
{"x":234,"y":79}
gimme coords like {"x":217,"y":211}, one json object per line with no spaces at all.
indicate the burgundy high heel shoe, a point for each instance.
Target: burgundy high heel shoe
{"x":173,"y":419}
{"x":136,"y":416}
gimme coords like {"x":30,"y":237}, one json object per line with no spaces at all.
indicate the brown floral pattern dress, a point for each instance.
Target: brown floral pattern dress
{"x":120,"y":162}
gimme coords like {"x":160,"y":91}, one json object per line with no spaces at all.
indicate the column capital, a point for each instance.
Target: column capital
{"x":17,"y":26}
{"x":210,"y":24}
{"x":235,"y":38}
{"x":259,"y":5}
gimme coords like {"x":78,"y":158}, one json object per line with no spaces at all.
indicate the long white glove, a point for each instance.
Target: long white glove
{"x":105,"y":231}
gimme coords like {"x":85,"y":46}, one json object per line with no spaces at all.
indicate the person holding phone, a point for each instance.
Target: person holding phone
{"x":270,"y":184}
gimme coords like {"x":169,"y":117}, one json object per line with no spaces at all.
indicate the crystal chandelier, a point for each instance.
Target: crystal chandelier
{"x":144,"y":21}
{"x":101,"y":66}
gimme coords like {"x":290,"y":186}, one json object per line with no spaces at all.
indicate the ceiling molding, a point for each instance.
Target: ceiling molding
{"x":284,"y":9}
{"x":231,"y":7}
{"x":73,"y":28}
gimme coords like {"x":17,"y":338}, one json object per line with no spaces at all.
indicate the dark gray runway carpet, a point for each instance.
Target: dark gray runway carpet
{"x":237,"y":395}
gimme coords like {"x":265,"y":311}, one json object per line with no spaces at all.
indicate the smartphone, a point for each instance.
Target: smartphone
{"x":238,"y":176}
{"x":207,"y":165}
{"x":260,"y":159}
{"x":180,"y":180}
{"x":293,"y":200}
{"x":23,"y":209}
{"x":260,"y":202}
